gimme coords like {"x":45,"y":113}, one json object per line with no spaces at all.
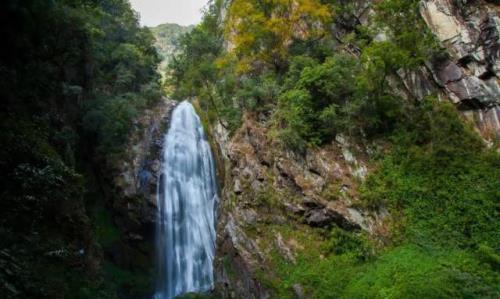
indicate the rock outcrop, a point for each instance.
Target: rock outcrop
{"x":138,"y":172}
{"x":469,"y":75}
{"x":267,"y":188}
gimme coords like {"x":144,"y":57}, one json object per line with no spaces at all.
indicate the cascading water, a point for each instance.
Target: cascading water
{"x":187,"y":201}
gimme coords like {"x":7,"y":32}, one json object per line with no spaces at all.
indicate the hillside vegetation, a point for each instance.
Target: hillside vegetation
{"x":288,"y":66}
{"x":75,"y":74}
{"x":166,"y":41}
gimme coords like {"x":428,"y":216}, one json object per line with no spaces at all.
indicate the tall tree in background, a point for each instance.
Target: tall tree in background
{"x":73,"y":73}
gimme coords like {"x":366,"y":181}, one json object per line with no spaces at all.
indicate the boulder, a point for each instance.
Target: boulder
{"x":447,"y":72}
{"x":471,"y":88}
{"x":328,"y":218}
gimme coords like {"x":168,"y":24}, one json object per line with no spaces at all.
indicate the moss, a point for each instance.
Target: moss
{"x":406,"y":271}
{"x":414,"y":272}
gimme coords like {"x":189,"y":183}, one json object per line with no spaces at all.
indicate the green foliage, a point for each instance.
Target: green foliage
{"x":167,"y":39}
{"x":36,"y":183}
{"x":255,"y":92}
{"x":293,"y":118}
{"x":348,"y":95}
{"x":267,"y":197}
{"x":330,"y":98}
{"x":110,"y":120}
{"x":342,"y":242}
{"x":441,"y":179}
{"x":136,"y":284}
{"x":441,"y":186}
{"x":194,"y":71}
{"x":401,"y":21}
{"x":40,"y":194}
{"x":262,"y":30}
{"x":74,"y":75}
{"x":412,"y":272}
{"x":344,"y":265}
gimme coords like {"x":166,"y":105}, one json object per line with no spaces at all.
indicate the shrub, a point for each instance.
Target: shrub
{"x":442,"y":180}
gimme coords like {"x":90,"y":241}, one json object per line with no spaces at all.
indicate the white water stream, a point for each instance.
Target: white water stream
{"x":187,"y":201}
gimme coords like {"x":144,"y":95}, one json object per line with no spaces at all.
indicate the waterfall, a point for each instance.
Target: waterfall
{"x":187,"y":201}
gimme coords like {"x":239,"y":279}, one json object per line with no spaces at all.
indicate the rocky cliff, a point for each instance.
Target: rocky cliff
{"x":273,"y":198}
{"x":275,"y":203}
{"x":131,"y":194}
{"x":469,"y":74}
{"x":138,"y":172}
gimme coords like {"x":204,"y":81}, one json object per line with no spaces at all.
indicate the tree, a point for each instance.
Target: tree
{"x":261,"y":31}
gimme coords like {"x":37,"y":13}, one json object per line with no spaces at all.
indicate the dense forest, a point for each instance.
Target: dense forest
{"x":74,"y":76}
{"x":307,"y":75}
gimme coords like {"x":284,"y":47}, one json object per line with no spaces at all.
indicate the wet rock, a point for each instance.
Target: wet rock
{"x":256,"y":185}
{"x":470,"y":32}
{"x":440,"y":19}
{"x":318,"y":218}
{"x":357,"y":217}
{"x":298,"y":180}
{"x":135,"y":237}
{"x":278,"y":219}
{"x":236,"y":262}
{"x":356,"y":166}
{"x":246,"y":246}
{"x":487,"y":120}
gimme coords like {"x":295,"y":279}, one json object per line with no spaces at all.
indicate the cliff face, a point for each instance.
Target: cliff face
{"x":269,"y":192}
{"x":275,"y":203}
{"x":131,"y":200}
{"x":138,"y":173}
{"x":469,"y":76}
